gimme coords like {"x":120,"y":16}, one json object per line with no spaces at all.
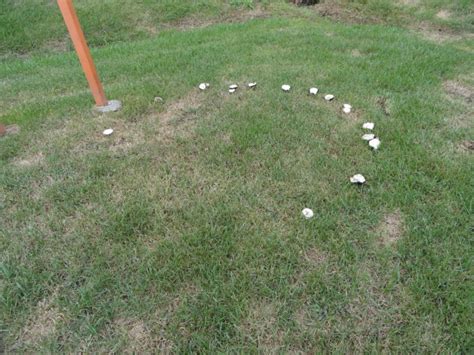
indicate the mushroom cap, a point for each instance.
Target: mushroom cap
{"x":375,"y":143}
{"x":357,"y":179}
{"x":368,"y":125}
{"x":108,"y":132}
{"x":307,"y":213}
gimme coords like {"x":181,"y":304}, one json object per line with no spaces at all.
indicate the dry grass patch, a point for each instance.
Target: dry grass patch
{"x":439,"y":34}
{"x":372,"y":314}
{"x":467,"y":146}
{"x":261,"y":327}
{"x":41,"y":324}
{"x":194,"y":22}
{"x":315,"y":257}
{"x":444,"y":15}
{"x":390,"y":229}
{"x":457,"y":90}
{"x":341,"y":13}
{"x":384,"y":104}
{"x":139,"y":336}
{"x":356,"y":53}
{"x":30,"y":161}
{"x":461,"y":121}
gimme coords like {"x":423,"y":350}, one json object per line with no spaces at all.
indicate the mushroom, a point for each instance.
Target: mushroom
{"x":307,"y":213}
{"x":368,"y":125}
{"x":286,"y":87}
{"x":329,"y":97}
{"x":313,"y":91}
{"x":108,"y":132}
{"x":375,"y":143}
{"x":358,"y":179}
{"x":368,"y":136}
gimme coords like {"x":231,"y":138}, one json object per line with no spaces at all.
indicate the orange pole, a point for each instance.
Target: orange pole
{"x":83,"y":52}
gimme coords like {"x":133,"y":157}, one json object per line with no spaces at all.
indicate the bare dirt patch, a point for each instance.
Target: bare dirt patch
{"x":457,"y":90}
{"x":391,"y":228}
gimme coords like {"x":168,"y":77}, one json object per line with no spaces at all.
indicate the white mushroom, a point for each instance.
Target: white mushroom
{"x":375,"y":143}
{"x":252,"y":85}
{"x":347,"y":106}
{"x":108,"y":132}
{"x":307,"y":213}
{"x":329,"y":97}
{"x":233,"y":86}
{"x":313,"y":91}
{"x":346,"y":110}
{"x":232,"y":91}
{"x":286,"y":87}
{"x":358,"y":179}
{"x":368,"y":125}
{"x":368,"y":137}
{"x":203,"y":86}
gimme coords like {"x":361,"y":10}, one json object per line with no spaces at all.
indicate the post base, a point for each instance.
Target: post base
{"x":112,"y":106}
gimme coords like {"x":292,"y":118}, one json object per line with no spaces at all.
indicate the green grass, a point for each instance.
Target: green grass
{"x":183,"y":230}
{"x":37,"y":27}
{"x":27,"y":26}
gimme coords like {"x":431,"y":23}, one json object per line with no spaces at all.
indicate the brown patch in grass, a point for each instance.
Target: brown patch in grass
{"x":179,"y":114}
{"x":409,"y":2}
{"x":261,"y":327}
{"x":461,"y":121}
{"x":42,"y":322}
{"x":391,"y":228}
{"x":356,"y":53}
{"x":383,"y":103}
{"x":457,"y":90}
{"x":439,"y":34}
{"x":444,"y":15}
{"x":340,"y":13}
{"x":372,"y":314}
{"x":315,"y":257}
{"x":9,"y":130}
{"x":30,"y":161}
{"x":467,"y":146}
{"x":140,"y":338}
{"x":236,"y":16}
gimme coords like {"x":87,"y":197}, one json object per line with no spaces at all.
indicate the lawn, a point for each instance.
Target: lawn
{"x":183,"y":231}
